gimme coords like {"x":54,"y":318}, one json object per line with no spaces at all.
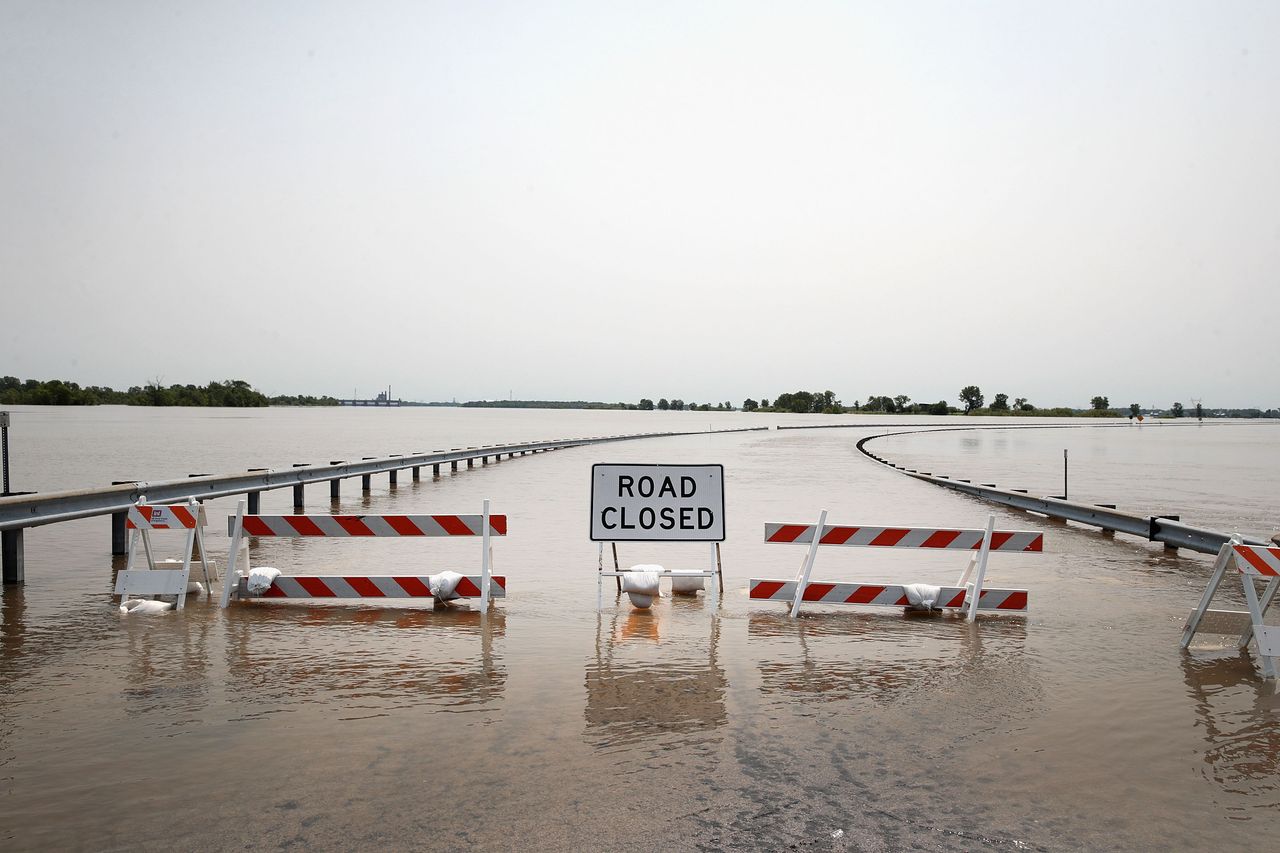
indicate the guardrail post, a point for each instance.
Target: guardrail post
{"x":366,"y":480}
{"x":435,"y":470}
{"x":335,"y":485}
{"x":471,"y":462}
{"x":453,"y":466}
{"x":391,"y":476}
{"x":298,"y":502}
{"x":417,"y":473}
{"x":255,"y":498}
{"x":11,"y":556}
{"x":119,"y":533}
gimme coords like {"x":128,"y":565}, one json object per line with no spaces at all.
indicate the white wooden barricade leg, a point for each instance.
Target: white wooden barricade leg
{"x":974,"y":590}
{"x":485,"y":560}
{"x":233,"y":559}
{"x":1250,"y":561}
{"x":802,"y":577}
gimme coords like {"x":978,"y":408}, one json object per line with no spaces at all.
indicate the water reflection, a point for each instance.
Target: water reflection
{"x":656,"y":674}
{"x":368,"y":661}
{"x":1236,"y":710}
{"x":833,"y":657}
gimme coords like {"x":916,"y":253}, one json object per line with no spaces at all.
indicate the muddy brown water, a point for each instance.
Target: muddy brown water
{"x":549,"y":725}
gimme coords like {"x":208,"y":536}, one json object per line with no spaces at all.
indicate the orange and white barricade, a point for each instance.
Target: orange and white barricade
{"x":1252,"y":562}
{"x":158,"y":578}
{"x":968,"y":592}
{"x":484,"y":586}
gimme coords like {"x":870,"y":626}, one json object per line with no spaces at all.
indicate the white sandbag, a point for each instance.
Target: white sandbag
{"x":641,"y":585}
{"x":144,"y":605}
{"x":261,"y":578}
{"x":444,"y":585}
{"x":922,"y":596}
{"x":195,"y":588}
{"x":686,"y":582}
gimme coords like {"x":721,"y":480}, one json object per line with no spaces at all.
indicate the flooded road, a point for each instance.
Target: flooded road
{"x":549,"y":725}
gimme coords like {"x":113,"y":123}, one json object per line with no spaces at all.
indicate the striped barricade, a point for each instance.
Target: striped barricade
{"x":484,"y":586}
{"x":142,"y":521}
{"x":968,"y":593}
{"x":1252,"y":562}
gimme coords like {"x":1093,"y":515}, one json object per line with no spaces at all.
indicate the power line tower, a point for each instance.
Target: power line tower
{"x":1199,"y":408}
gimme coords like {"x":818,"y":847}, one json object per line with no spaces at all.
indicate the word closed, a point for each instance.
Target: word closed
{"x":657,"y":503}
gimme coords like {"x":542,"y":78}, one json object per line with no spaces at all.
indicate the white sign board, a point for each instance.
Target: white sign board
{"x":657,"y":503}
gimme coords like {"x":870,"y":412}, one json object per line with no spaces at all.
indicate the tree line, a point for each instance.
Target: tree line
{"x":232,"y":393}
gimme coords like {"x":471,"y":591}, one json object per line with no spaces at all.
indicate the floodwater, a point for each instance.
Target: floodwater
{"x":549,"y":725}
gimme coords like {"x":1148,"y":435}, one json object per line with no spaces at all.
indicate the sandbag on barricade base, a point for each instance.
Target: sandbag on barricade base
{"x":143,"y":605}
{"x":686,"y":581}
{"x":640,"y":583}
{"x":444,"y":585}
{"x":261,"y":578}
{"x":922,"y":596}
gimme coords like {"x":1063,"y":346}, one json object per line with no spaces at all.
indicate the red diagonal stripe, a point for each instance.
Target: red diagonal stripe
{"x":274,"y":591}
{"x":498,"y":524}
{"x":890,"y":536}
{"x":453,"y":525}
{"x":864,"y":594}
{"x":255,"y":526}
{"x":305,"y":526}
{"x":958,"y":600}
{"x":940,"y":539}
{"x":1015,"y":601}
{"x":184,"y":516}
{"x":766,"y":589}
{"x":1256,"y":561}
{"x":467,"y":589}
{"x":365,"y":588}
{"x":998,"y":539}
{"x":1037,"y":544}
{"x":353,"y":524}
{"x":414,"y":586}
{"x":788,"y":533}
{"x":903,"y":601}
{"x":499,"y":580}
{"x":816,"y":591}
{"x":402,"y":525}
{"x":315,"y":587}
{"x":838,"y":535}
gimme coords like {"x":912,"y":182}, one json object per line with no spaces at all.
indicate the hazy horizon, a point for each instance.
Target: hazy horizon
{"x":709,"y":201}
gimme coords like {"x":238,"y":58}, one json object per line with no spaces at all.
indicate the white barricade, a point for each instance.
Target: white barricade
{"x":144,"y":519}
{"x":968,"y":592}
{"x":1251,"y":562}
{"x":483,"y":586}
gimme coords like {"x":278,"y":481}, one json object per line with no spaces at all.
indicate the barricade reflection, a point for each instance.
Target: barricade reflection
{"x":373,"y":659}
{"x":835,"y":657}
{"x":655,"y":675}
{"x":1236,"y":710}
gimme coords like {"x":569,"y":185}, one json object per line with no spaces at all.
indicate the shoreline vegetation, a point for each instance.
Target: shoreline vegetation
{"x":239,"y":393}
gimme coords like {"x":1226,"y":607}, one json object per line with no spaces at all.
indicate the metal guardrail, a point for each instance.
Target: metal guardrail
{"x":37,"y":509}
{"x":1153,"y":528}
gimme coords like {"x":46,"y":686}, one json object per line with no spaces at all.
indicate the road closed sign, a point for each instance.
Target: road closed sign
{"x":657,"y":503}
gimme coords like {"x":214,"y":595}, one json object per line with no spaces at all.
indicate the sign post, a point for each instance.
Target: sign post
{"x":658,"y":503}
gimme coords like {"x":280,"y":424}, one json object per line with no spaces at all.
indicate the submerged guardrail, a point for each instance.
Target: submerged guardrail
{"x":31,"y":510}
{"x":1154,"y":528}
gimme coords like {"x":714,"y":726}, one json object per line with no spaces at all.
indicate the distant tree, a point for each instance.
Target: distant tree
{"x":901,"y":400}
{"x":1199,"y":412}
{"x":646,"y":405}
{"x":1100,"y":403}
{"x":764,"y":402}
{"x":971,"y":396}
{"x":1000,"y":403}
{"x":1025,"y":406}
{"x":663,"y":404}
{"x":1134,"y":410}
{"x":1177,"y":410}
{"x":677,"y":405}
{"x":939,"y":408}
{"x":1019,"y":402}
{"x":749,"y":405}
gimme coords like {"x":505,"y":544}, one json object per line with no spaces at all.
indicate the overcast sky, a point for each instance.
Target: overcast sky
{"x":613,"y":200}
